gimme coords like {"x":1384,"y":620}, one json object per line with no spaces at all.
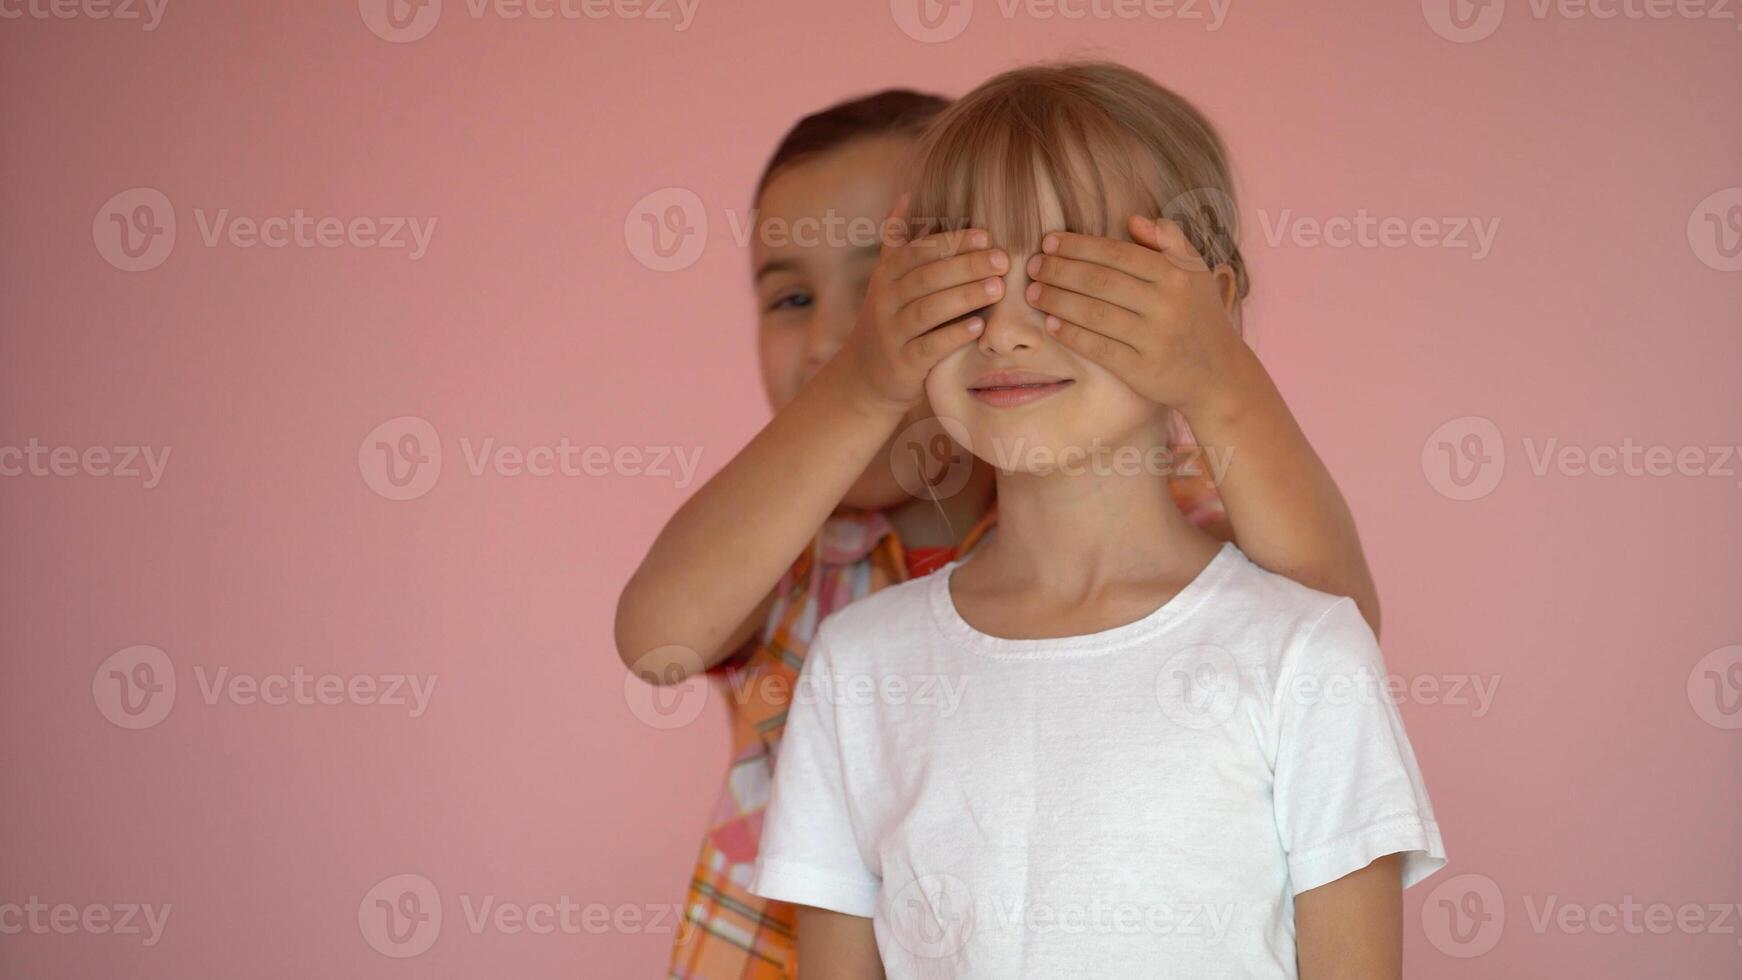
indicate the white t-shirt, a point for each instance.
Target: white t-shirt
{"x":1141,"y":801}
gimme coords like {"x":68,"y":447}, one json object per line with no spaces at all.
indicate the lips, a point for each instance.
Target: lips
{"x":1007,"y":389}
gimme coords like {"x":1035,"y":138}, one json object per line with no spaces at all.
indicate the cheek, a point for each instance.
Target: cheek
{"x":1115,"y":409}
{"x":945,"y":388}
{"x":780,"y":352}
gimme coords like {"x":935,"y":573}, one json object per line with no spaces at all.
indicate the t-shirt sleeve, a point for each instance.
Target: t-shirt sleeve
{"x":1347,"y":788}
{"x":809,"y":853}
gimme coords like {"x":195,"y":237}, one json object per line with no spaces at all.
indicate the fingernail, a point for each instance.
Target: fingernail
{"x":1034,"y":265}
{"x":977,"y":239}
{"x":1049,"y":244}
{"x":976,"y":325}
{"x":1032,"y":293}
{"x":994,"y":287}
{"x":1000,"y":261}
{"x":1052,"y":323}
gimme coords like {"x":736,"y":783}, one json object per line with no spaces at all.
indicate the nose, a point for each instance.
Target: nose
{"x":1011,"y":324}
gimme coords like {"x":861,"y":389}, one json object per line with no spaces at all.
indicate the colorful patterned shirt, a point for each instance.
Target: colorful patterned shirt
{"x":732,"y":934}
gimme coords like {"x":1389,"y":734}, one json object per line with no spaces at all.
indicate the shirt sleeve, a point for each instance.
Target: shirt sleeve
{"x":809,"y":854}
{"x":1347,"y":788}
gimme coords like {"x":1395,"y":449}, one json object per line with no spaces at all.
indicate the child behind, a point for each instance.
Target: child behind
{"x":1103,"y":744}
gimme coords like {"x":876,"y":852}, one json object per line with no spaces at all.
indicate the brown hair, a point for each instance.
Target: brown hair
{"x":1103,"y":135}
{"x":889,"y":112}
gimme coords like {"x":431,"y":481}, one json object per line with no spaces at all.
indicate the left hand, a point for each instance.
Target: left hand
{"x":1152,"y":312}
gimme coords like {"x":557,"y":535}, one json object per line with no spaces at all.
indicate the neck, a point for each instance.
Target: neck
{"x":1072,"y":534}
{"x":927,"y":523}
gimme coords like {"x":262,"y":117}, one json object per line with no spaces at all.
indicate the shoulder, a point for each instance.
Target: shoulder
{"x":890,"y":618}
{"x":1280,"y":614}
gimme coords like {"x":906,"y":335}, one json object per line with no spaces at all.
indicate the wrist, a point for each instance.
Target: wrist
{"x":844,"y":377}
{"x":1241,"y":385}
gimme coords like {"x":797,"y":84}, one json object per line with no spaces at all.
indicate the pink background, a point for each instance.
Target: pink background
{"x":1606,"y":769}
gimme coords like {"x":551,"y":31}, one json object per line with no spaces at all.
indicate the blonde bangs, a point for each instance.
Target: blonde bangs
{"x":1106,"y":140}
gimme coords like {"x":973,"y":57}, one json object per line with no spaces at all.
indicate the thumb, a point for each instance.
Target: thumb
{"x":1144,"y":232}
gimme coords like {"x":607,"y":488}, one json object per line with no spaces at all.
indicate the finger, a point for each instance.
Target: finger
{"x":932,"y":247}
{"x":1137,"y":261}
{"x":1114,"y":355}
{"x":935,"y":309}
{"x":895,"y":233}
{"x":1169,"y":238}
{"x":1098,"y":315}
{"x":929,"y":348}
{"x":942,"y":274}
{"x":1100,"y":281}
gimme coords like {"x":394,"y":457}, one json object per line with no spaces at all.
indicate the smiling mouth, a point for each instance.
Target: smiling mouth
{"x":1013,"y":388}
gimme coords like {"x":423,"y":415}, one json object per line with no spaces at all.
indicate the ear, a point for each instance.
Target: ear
{"x":1228,"y":285}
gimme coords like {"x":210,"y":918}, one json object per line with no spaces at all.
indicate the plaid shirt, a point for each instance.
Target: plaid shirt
{"x":731,"y":934}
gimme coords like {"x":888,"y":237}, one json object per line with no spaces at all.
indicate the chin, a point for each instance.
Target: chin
{"x":1039,"y":441}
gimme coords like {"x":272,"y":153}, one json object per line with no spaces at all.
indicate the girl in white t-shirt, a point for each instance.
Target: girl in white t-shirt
{"x":1103,"y":744}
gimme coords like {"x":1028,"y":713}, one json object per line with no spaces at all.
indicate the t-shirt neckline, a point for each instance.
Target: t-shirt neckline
{"x":1162,"y":619}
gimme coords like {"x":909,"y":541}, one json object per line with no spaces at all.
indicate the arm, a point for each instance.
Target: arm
{"x":706,"y":582}
{"x":1352,"y":928}
{"x":1151,"y":311}
{"x":704,"y":586}
{"x":836,"y":946}
{"x":1283,"y":505}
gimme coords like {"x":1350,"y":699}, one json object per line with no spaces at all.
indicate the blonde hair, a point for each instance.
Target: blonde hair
{"x":1103,"y":135}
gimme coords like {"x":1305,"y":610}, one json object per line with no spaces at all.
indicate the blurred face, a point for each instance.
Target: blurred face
{"x":812,"y":257}
{"x":1027,"y":401}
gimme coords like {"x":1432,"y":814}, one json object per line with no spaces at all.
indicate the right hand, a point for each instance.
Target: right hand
{"x":917,"y":306}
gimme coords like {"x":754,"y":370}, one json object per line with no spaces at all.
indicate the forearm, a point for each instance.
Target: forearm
{"x":727,"y":547}
{"x":1285,"y":509}
{"x":834,"y":946}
